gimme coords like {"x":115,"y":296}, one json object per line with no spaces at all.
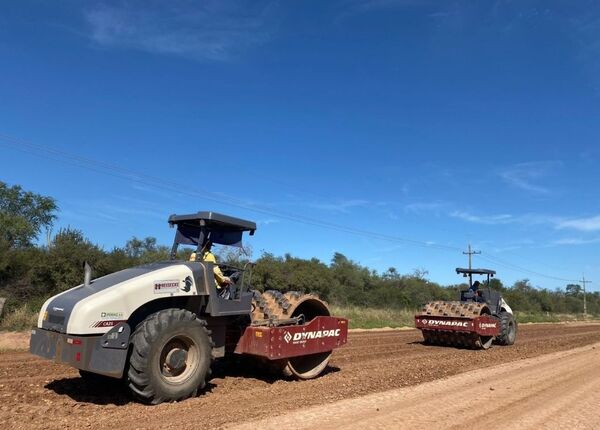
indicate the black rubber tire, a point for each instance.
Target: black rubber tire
{"x":146,"y":377}
{"x":508,"y":329}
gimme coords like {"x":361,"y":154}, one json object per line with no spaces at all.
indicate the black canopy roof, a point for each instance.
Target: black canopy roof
{"x":194,"y":229}
{"x":476,"y":271}
{"x":213,"y":220}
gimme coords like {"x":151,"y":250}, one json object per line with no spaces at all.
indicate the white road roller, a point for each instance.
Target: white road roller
{"x":159,"y":326}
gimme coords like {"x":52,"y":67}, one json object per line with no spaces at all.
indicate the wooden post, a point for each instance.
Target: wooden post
{"x":2,"y":301}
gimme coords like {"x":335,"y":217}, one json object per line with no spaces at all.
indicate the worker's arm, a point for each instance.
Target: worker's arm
{"x":219,"y":277}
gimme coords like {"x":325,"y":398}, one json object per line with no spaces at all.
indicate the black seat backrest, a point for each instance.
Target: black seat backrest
{"x":492,"y":298}
{"x":466,"y":295}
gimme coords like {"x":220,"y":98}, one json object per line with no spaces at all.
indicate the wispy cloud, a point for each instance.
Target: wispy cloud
{"x":530,"y":219}
{"x":587,"y":224}
{"x":582,"y":224}
{"x":268,"y":221}
{"x":483,"y":219}
{"x":508,"y":248}
{"x":357,"y":6}
{"x":342,"y":206}
{"x":576,"y":241}
{"x":420,"y":207}
{"x":527,"y":176}
{"x":113,"y":212}
{"x":585,"y":31}
{"x":85,"y":215}
{"x":217,"y":30}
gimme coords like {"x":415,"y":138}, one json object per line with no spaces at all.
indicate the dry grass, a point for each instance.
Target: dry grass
{"x":25,"y":318}
{"x":378,"y":318}
{"x":375,"y":318}
{"x":21,"y":318}
{"x":524,"y":317}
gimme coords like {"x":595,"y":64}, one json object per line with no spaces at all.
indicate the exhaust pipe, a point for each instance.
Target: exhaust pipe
{"x":87,"y":278}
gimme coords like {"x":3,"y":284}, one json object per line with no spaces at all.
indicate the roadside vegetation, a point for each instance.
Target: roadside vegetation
{"x":30,"y":272}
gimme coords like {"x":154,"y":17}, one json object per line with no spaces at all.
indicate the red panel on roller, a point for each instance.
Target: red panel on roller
{"x":483,"y":325}
{"x":319,"y":335}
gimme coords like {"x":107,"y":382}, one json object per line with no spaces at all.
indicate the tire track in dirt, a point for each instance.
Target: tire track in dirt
{"x":39,"y":394}
{"x":557,"y":390}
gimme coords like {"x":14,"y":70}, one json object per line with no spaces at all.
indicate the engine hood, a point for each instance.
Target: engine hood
{"x":113,"y":297}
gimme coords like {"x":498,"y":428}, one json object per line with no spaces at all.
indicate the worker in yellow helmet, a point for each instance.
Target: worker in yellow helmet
{"x":209,"y":257}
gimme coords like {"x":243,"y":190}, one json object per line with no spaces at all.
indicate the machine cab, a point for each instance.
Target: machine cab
{"x":198,"y":230}
{"x":483,"y":294}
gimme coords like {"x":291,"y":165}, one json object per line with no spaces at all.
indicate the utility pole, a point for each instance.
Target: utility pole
{"x":471,"y":253}
{"x":583,"y":281}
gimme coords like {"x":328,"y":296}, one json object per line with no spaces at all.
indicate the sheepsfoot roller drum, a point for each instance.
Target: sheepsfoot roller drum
{"x":479,"y":318}
{"x":466,"y":325}
{"x":294,"y":331}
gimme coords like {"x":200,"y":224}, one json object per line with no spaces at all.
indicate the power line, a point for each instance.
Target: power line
{"x":172,"y":186}
{"x":514,"y":267}
{"x":157,"y":182}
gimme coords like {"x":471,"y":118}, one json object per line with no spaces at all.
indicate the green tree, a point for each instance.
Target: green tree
{"x":61,"y":267}
{"x":145,"y":250}
{"x":135,"y":247}
{"x":23,"y":215}
{"x":574,"y":290}
{"x":391,"y":274}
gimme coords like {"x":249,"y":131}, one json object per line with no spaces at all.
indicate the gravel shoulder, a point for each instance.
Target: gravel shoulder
{"x":14,"y":340}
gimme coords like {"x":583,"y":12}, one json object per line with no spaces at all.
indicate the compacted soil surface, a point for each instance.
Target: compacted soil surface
{"x":551,"y":391}
{"x":546,"y":379}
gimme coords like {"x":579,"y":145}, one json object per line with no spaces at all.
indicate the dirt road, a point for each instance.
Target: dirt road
{"x":558,"y":390}
{"x":40,"y":394}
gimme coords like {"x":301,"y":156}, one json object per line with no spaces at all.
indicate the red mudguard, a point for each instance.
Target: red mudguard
{"x":319,"y":335}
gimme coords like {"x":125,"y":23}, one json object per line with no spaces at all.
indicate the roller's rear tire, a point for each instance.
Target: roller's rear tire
{"x":170,"y":358}
{"x":508,"y":329}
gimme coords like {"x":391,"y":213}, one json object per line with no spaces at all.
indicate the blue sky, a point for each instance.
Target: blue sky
{"x":443,"y":122}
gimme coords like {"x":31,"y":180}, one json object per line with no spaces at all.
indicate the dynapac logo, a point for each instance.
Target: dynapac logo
{"x":302,"y":337}
{"x":487,"y":325}
{"x":445,"y":323}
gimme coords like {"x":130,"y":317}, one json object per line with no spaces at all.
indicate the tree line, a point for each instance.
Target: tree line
{"x":30,"y":272}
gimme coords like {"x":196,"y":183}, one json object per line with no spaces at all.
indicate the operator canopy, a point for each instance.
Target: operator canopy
{"x":467,"y":272}
{"x":195,"y":229}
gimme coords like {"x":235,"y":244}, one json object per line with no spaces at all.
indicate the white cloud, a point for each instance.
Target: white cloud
{"x":419,"y":207}
{"x":587,"y":225}
{"x":502,"y":219}
{"x":341,"y":206}
{"x":486,"y":219}
{"x":267,"y":221}
{"x":581,"y":224}
{"x":527,"y":175}
{"x":575,"y":241}
{"x":217,"y":30}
